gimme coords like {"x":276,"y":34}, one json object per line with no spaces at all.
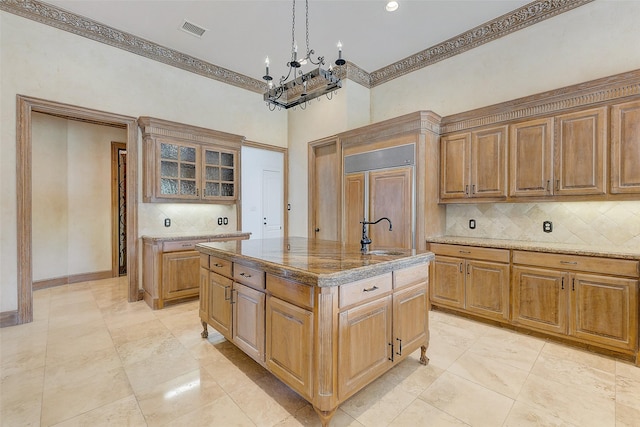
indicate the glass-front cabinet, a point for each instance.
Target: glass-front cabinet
{"x":188,"y":164}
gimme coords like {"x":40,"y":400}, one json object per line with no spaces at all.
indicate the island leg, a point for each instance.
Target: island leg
{"x":423,"y":355}
{"x":205,"y":332}
{"x":325,"y":416}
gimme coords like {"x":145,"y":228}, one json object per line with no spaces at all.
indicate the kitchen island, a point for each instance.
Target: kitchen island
{"x":321,"y":316}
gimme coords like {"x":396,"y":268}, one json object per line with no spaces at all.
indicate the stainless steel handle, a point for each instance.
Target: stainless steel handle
{"x":187,"y":245}
{"x":466,"y":189}
{"x":218,"y":265}
{"x":400,"y":347}
{"x":460,"y":267}
{"x":465,"y":252}
{"x":562,"y":286}
{"x":473,"y":189}
{"x":232,"y":291}
{"x":245,"y":275}
{"x":374,"y":288}
{"x":558,"y":184}
{"x":569,"y":262}
{"x":226,"y":298}
{"x":548,"y":185}
{"x":467,"y":268}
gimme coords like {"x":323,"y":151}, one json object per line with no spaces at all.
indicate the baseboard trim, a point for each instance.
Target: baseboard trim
{"x":74,"y":278}
{"x":8,"y":318}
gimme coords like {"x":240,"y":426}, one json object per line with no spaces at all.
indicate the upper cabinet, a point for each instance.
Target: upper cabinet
{"x":562,"y":155}
{"x":580,"y":152}
{"x":474,"y":164}
{"x":625,"y":148}
{"x":577,"y":143}
{"x":185,"y":163}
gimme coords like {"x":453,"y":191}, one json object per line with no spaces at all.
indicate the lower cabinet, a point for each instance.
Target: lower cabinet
{"x":236,"y":310}
{"x":326,"y":343}
{"x":573,"y":300}
{"x":472,"y":279}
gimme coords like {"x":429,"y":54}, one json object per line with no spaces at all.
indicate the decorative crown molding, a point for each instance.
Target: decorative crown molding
{"x":527,"y":15}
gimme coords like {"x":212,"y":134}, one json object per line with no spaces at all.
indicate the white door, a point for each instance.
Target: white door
{"x":262,"y":192}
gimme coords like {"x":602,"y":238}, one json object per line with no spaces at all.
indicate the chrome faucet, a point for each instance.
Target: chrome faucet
{"x":365,"y":239}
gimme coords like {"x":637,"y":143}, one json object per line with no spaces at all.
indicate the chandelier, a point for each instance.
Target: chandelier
{"x":297,"y":88}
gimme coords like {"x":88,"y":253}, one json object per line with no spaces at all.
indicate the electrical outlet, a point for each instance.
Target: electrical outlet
{"x":547,"y":226}
{"x":472,"y":224}
{"x":219,"y":220}
{"x":167,"y":222}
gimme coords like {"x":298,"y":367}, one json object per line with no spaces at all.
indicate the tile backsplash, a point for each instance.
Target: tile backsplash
{"x":185,"y":218}
{"x":591,"y":223}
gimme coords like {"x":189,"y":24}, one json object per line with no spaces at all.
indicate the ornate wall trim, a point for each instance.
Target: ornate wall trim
{"x":527,"y":15}
{"x":523,"y":17}
{"x":582,"y":95}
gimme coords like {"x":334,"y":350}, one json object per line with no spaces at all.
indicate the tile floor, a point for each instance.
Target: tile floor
{"x":90,"y":358}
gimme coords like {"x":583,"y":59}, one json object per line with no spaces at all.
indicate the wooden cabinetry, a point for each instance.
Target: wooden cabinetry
{"x":382,"y":320}
{"x":474,"y":164}
{"x":171,"y":268}
{"x":593,"y":300}
{"x":531,"y":158}
{"x":625,"y":148}
{"x":472,"y":279}
{"x":580,"y":152}
{"x":325,"y":172}
{"x":325,"y":342}
{"x":184,"y":163}
{"x":561,"y":156}
{"x":236,"y":305}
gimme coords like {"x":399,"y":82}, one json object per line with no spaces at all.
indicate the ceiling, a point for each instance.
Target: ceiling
{"x":241,"y":33}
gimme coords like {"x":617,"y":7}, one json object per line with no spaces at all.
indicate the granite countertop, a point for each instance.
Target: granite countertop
{"x":314,"y":262}
{"x":559,"y":248}
{"x":169,"y":237}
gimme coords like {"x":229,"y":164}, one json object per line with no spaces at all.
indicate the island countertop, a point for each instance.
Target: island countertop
{"x":314,"y":262}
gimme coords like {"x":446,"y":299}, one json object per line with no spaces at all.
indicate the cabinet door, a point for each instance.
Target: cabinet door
{"x":178,"y":170}
{"x":447,"y":285}
{"x":390,"y":196}
{"x":531,"y":161}
{"x":353,"y":207}
{"x":289,"y":337}
{"x":487,"y":289}
{"x":220,"y":303}
{"x":625,"y":148}
{"x":364,"y":345}
{"x":489,"y":162}
{"x":410,"y":320}
{"x":604,"y":310}
{"x":455,"y":160}
{"x":580,"y":152}
{"x":180,"y":274}
{"x":540,"y":299}
{"x":248,"y":320}
{"x":219,"y":177}
{"x":324,"y":190}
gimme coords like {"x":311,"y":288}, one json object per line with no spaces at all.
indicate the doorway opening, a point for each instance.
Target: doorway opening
{"x":119,"y":208}
{"x":25,"y":107}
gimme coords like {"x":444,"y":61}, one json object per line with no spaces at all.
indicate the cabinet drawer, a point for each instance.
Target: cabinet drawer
{"x":364,"y":290}
{"x":487,"y":254}
{"x":181,"y":245}
{"x":220,"y":266}
{"x":411,"y":276}
{"x":248,"y":276}
{"x":290,"y":291}
{"x":617,"y":267}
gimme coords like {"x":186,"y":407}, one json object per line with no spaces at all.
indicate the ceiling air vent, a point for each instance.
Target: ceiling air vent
{"x":193,"y":29}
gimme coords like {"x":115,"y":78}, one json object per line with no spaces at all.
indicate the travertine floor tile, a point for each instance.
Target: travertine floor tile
{"x":91,"y":358}
{"x":467,"y":401}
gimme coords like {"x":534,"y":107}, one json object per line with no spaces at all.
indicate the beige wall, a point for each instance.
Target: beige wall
{"x":71,"y":196}
{"x":43,"y":62}
{"x":592,"y":41}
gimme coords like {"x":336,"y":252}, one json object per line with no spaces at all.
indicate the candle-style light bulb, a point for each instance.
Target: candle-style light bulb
{"x":295,"y":51}
{"x":340,"y":61}
{"x":266,"y":76}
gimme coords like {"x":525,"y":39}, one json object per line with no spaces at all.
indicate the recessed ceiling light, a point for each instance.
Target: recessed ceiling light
{"x":392,"y":6}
